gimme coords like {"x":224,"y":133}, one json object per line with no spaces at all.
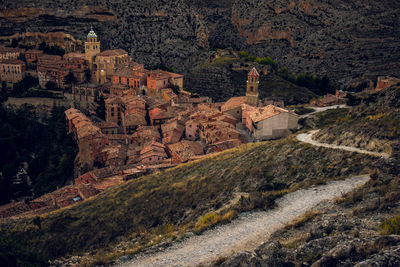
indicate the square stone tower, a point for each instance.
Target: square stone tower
{"x":92,"y":48}
{"x":252,"y":87}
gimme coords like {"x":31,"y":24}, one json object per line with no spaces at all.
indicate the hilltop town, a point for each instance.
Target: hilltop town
{"x":151,"y":122}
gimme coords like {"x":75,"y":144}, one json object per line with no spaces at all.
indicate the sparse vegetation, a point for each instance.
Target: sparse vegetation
{"x":167,"y":204}
{"x":391,"y":226}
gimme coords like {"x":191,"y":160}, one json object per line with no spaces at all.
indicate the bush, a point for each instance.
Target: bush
{"x":391,"y":226}
{"x":352,"y":100}
{"x":208,"y":220}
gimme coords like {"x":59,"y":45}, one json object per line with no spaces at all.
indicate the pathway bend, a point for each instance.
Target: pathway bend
{"x":248,"y":231}
{"x":307,"y":138}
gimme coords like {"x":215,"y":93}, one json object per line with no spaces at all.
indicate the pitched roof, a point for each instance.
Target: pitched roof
{"x":153,"y":146}
{"x":262,"y":113}
{"x":186,"y":149}
{"x":12,"y":61}
{"x":234,"y":102}
{"x":253,"y":73}
{"x":115,"y":52}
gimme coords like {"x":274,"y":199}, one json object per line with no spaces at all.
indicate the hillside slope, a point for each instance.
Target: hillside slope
{"x":344,"y":39}
{"x":163,"y":206}
{"x":373,"y":125}
{"x":226,"y":77}
{"x":361,"y":228}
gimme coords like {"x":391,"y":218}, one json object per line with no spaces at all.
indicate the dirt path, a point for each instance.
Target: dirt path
{"x":248,"y":231}
{"x":320,"y":109}
{"x":307,"y":138}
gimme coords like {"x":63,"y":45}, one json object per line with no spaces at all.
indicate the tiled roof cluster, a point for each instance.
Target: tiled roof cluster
{"x":83,"y":127}
{"x":233,"y":103}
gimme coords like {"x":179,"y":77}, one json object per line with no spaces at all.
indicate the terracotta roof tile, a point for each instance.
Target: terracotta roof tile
{"x":261,"y":113}
{"x":234,"y":102}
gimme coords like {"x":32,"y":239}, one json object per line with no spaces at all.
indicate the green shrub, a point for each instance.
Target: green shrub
{"x":391,"y":226}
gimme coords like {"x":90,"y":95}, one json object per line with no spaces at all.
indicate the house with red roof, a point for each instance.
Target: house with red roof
{"x":268,"y":122}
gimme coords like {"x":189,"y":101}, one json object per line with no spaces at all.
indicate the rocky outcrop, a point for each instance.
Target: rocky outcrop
{"x":346,"y":40}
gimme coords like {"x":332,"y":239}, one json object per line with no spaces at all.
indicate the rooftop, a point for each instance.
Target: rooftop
{"x":115,"y":52}
{"x":186,"y":149}
{"x":12,"y":61}
{"x":261,"y":113}
{"x":92,"y":34}
{"x":234,"y":102}
{"x":254,"y":72}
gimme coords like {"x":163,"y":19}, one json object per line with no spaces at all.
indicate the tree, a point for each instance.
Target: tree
{"x":88,"y":76}
{"x":21,"y":87}
{"x":352,"y":100}
{"x":51,"y":85}
{"x":101,"y":107}
{"x":70,"y":78}
{"x":176,"y":89}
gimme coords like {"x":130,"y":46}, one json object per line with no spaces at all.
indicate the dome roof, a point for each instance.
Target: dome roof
{"x":92,"y":33}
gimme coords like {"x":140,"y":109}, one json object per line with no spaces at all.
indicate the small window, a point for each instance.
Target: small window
{"x":149,"y":158}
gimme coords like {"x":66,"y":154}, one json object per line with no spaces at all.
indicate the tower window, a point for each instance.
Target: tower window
{"x":251,"y":88}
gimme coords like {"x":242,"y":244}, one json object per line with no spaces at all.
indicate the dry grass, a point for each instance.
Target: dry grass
{"x":300,"y":221}
{"x":295,"y":242}
{"x":391,"y":226}
{"x":149,"y":210}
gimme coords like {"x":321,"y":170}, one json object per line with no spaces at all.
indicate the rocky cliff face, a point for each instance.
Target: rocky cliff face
{"x":347,"y":40}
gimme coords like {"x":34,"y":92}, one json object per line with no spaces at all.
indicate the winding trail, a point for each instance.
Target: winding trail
{"x":307,"y":138}
{"x":320,"y":109}
{"x":248,"y":231}
{"x":251,"y":229}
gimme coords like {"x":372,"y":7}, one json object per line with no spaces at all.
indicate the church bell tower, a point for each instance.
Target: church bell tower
{"x":92,"y":48}
{"x":252,"y":87}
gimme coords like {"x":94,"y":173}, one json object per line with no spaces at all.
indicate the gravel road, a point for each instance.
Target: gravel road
{"x":307,"y":138}
{"x":320,"y":109}
{"x":248,"y":231}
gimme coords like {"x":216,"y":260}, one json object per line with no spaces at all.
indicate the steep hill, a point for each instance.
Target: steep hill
{"x":226,"y":77}
{"x":347,"y":40}
{"x":164,"y":206}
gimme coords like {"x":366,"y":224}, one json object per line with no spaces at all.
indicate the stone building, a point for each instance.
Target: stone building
{"x":91,"y":141}
{"x":106,"y":62}
{"x":11,"y":71}
{"x":9,"y":53}
{"x":92,"y":48}
{"x":128,"y":112}
{"x":85,"y":95}
{"x":233,"y":106}
{"x":252,"y":87}
{"x":160,"y":79}
{"x":385,"y":82}
{"x":153,"y":153}
{"x":268,"y":122}
{"x":31,"y":57}
{"x":184,"y":151}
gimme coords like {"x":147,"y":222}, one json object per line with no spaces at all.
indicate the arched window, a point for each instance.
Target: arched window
{"x":251,"y":88}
